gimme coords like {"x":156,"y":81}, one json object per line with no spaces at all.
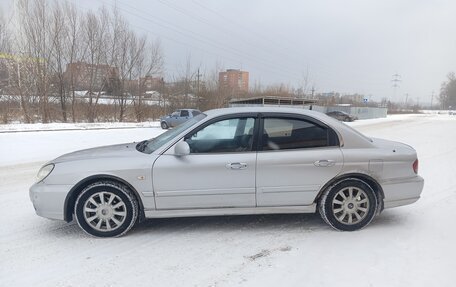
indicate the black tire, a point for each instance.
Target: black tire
{"x":121,"y":196}
{"x":332,"y":212}
{"x":164,"y":125}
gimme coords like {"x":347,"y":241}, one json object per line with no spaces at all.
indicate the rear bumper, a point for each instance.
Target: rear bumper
{"x":49,"y":200}
{"x":403,"y":191}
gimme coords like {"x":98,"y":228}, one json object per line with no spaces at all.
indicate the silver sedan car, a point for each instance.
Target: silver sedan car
{"x":229,"y":162}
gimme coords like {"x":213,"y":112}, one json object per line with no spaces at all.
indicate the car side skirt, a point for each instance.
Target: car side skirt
{"x":230,"y":211}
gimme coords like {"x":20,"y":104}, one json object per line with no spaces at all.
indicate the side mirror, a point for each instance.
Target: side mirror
{"x":182,"y":148}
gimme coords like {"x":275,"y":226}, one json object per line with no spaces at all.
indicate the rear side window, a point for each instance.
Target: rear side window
{"x":289,"y":133}
{"x":184,"y":113}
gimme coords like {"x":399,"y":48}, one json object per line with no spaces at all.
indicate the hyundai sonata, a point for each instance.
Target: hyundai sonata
{"x":230,"y":162}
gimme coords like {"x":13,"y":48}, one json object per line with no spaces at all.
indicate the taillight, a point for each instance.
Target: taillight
{"x":415,"y":166}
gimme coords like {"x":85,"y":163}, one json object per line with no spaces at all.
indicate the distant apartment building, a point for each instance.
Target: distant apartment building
{"x":89,"y":76}
{"x":235,"y":80}
{"x":152,"y":83}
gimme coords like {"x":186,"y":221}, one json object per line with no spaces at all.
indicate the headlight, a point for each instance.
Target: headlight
{"x":44,"y":172}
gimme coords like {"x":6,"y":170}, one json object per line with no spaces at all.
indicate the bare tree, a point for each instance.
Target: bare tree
{"x":95,"y":36}
{"x":214,"y":96}
{"x":73,"y":49}
{"x":5,"y":47}
{"x":447,"y":95}
{"x":303,"y":87}
{"x":150,"y":63}
{"x":37,"y":45}
{"x":125,"y":57}
{"x":59,"y":32}
{"x":52,"y":37}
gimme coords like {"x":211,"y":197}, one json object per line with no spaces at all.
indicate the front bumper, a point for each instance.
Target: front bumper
{"x":49,"y":200}
{"x":404,"y":191}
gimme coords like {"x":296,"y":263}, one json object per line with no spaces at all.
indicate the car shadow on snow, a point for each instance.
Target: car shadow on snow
{"x":61,"y":229}
{"x":247,"y":223}
{"x":269,"y":223}
{"x":391,"y":218}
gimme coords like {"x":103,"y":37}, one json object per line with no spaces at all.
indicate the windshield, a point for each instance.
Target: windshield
{"x":149,"y":146}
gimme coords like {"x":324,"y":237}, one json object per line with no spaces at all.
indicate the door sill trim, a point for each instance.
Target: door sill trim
{"x":229,"y":211}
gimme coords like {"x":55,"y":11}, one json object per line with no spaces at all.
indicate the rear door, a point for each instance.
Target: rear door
{"x":184,"y":115}
{"x":297,"y":156}
{"x":173,"y":119}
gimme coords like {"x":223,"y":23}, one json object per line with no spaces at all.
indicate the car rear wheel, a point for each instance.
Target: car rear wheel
{"x":164,"y":125}
{"x":106,"y":209}
{"x":348,"y":205}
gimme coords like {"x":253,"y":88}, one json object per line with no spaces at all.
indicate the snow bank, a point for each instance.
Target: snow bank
{"x":17,"y":127}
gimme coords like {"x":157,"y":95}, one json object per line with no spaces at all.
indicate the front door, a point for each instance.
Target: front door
{"x":296,"y":158}
{"x":218,"y":172}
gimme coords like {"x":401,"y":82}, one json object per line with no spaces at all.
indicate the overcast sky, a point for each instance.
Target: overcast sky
{"x":350,"y":46}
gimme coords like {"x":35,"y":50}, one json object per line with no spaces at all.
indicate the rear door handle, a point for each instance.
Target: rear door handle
{"x":236,"y":165}
{"x":325,"y":162}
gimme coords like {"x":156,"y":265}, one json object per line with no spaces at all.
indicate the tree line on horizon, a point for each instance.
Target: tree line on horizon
{"x":42,"y":37}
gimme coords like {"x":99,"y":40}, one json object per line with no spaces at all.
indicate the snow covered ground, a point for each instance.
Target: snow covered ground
{"x":406,"y":246}
{"x":19,"y":127}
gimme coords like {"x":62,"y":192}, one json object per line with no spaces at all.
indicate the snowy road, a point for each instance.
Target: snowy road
{"x":407,"y":246}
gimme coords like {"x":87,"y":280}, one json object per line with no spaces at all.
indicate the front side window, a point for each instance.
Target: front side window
{"x":289,"y":133}
{"x":152,"y":145}
{"x":231,"y":135}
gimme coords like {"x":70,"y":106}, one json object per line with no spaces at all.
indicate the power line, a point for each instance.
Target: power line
{"x":201,"y":38}
{"x":285,"y":71}
{"x":275,"y":70}
{"x":269,"y":43}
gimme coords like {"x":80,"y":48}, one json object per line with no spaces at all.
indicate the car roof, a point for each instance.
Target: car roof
{"x":187,"y":110}
{"x":350,"y":137}
{"x":226,"y":111}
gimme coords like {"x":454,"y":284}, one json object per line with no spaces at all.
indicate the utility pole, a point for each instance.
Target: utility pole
{"x":406,"y":100}
{"x":432,"y":99}
{"x":198,"y":75}
{"x":313,"y":91}
{"x":396,"y":83}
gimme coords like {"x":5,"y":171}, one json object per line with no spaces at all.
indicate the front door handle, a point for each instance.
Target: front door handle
{"x":236,"y":165}
{"x":325,"y":162}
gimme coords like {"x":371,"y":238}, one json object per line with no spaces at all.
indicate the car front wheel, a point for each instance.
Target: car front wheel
{"x":164,"y":125}
{"x":348,"y":205}
{"x":106,"y":209}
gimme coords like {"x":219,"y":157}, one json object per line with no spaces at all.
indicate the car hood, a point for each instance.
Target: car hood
{"x":118,"y":150}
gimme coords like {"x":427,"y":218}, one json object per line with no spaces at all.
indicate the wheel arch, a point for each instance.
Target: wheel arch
{"x":164,"y":121}
{"x":369,"y":180}
{"x":72,"y":195}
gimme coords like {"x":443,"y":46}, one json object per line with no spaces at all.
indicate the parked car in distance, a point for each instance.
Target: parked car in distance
{"x":178,"y":117}
{"x":342,"y":116}
{"x":255,"y":160}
